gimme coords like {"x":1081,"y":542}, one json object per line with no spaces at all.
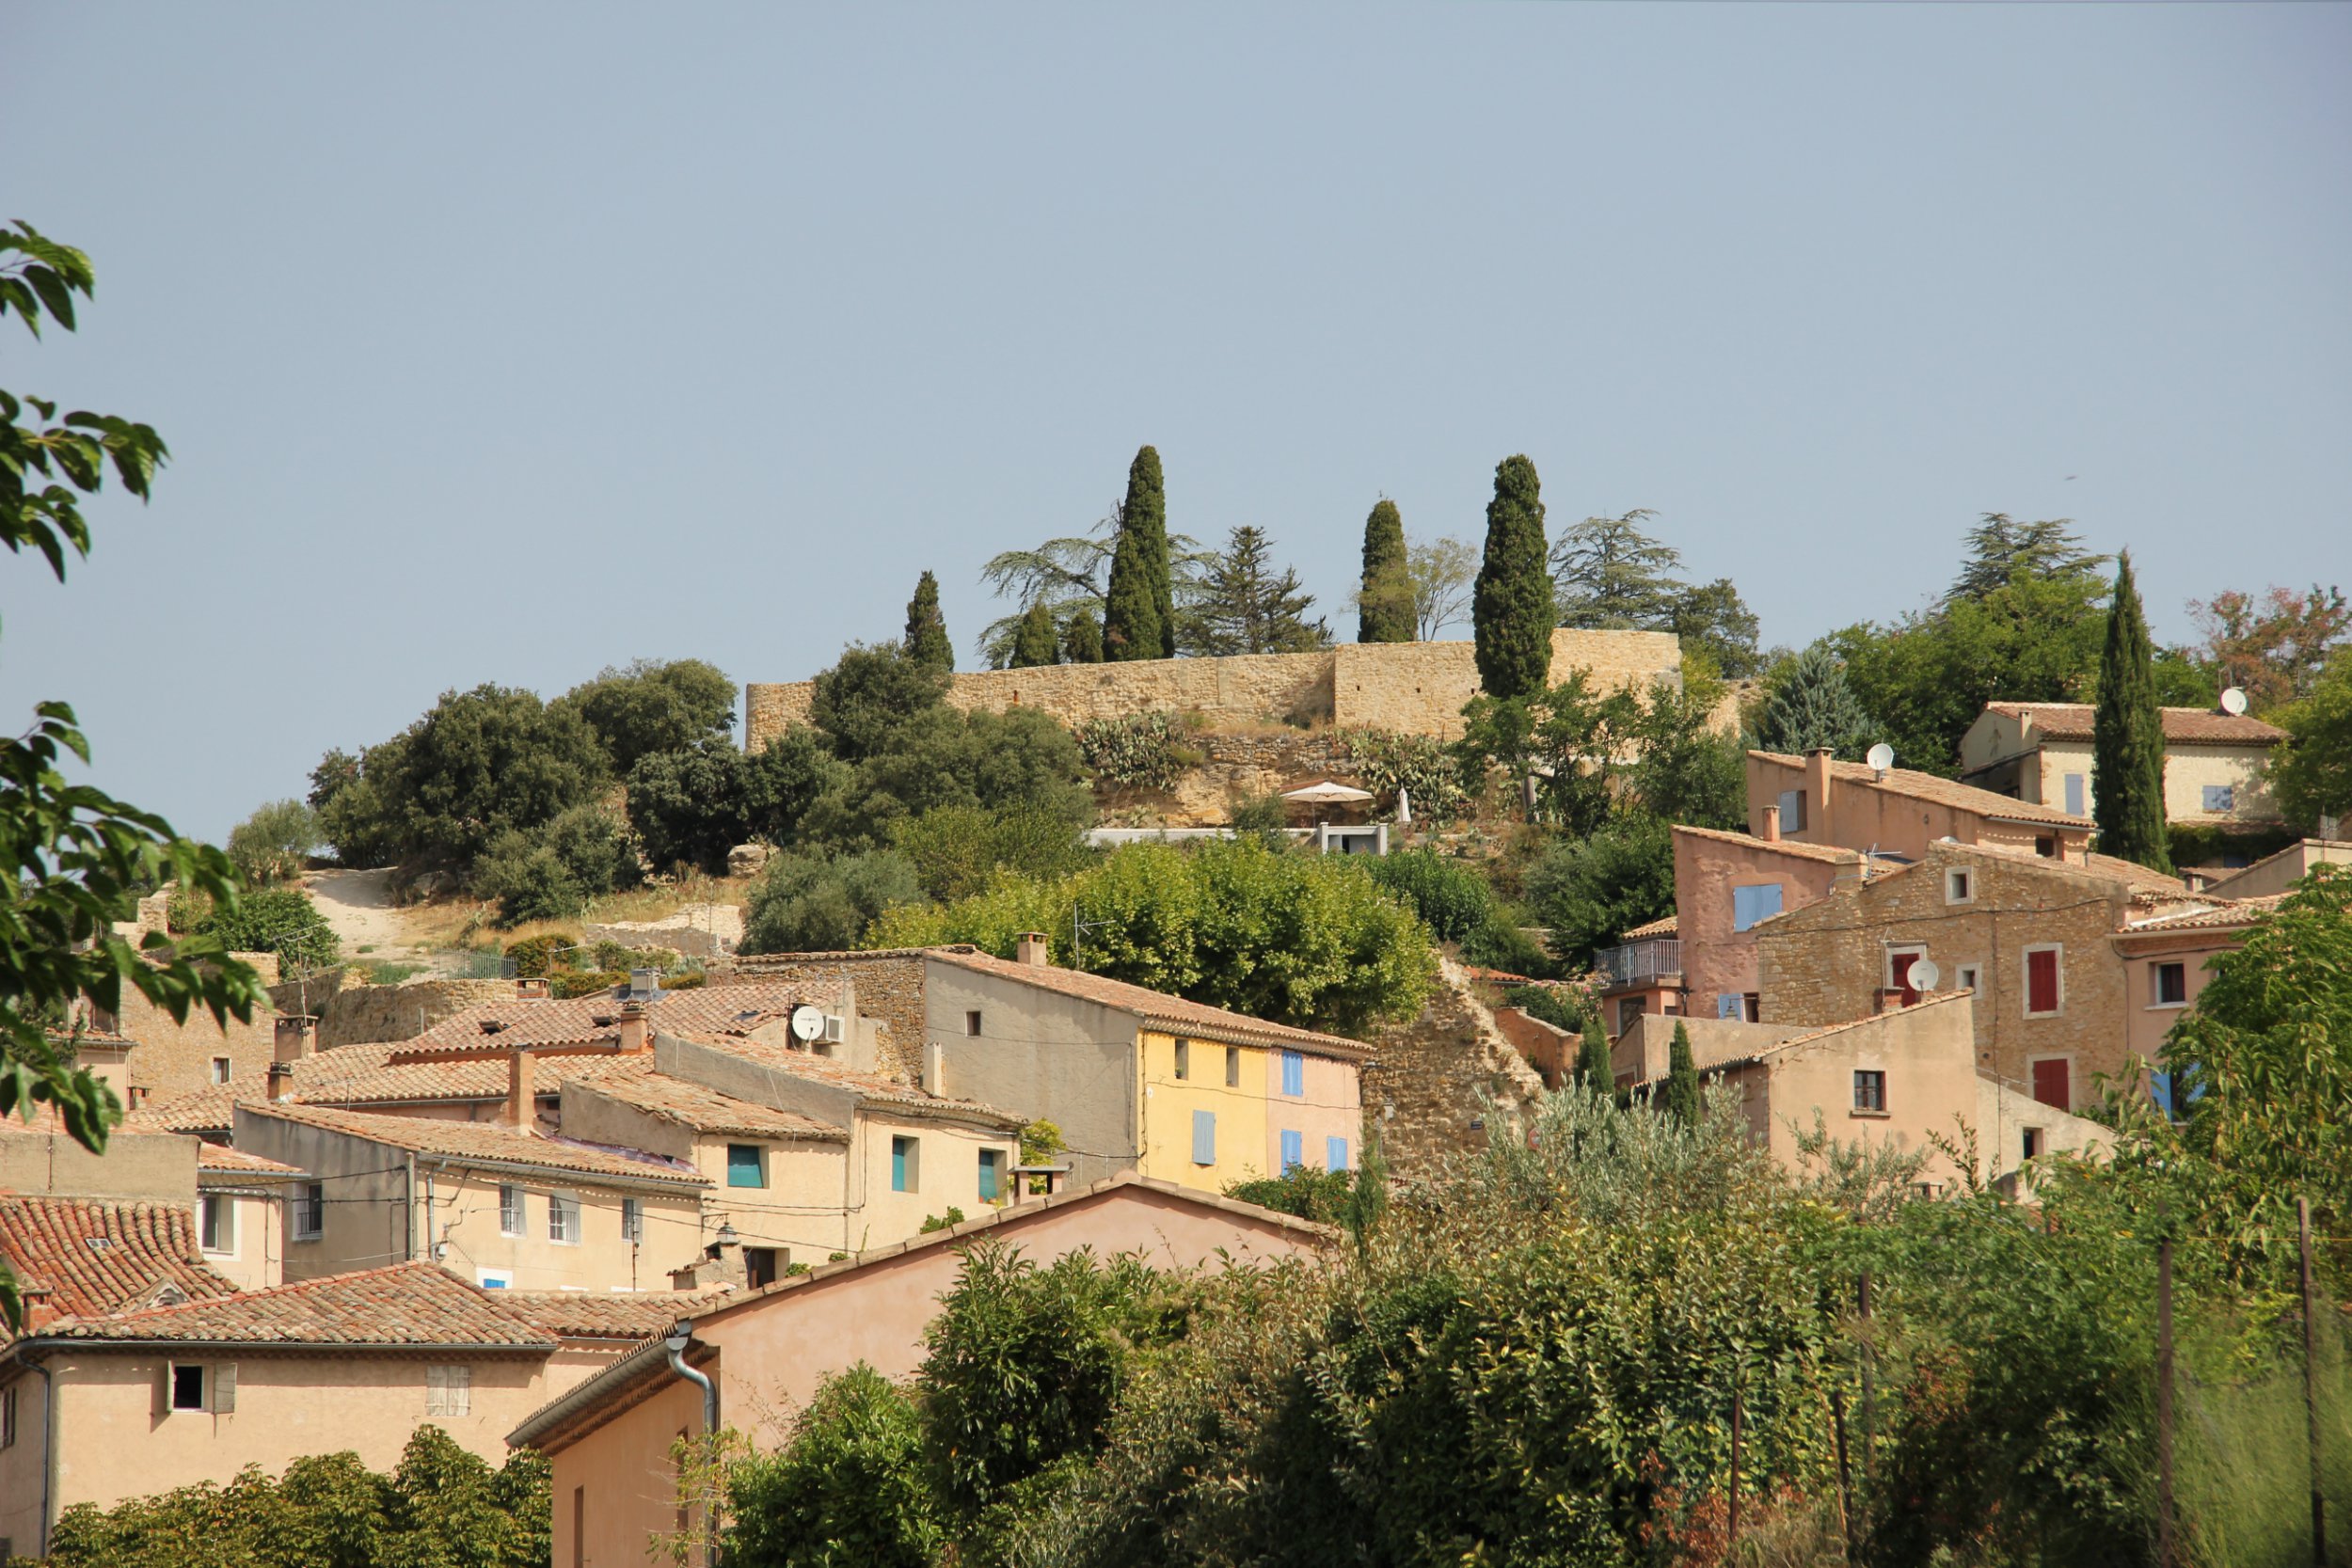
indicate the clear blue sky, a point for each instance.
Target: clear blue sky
{"x":504,"y":342}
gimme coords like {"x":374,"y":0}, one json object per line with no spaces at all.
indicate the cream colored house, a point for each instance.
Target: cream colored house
{"x":2041,"y":752}
{"x":2278,"y":873}
{"x":1899,"y":812}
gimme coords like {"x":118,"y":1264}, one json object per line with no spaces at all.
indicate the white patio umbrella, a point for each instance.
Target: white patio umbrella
{"x":1326,"y":794}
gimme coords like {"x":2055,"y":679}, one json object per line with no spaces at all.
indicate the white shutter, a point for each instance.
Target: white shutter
{"x":224,"y":1388}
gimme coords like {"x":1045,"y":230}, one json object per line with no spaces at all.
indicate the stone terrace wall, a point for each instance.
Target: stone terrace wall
{"x":363,"y":1015}
{"x":1233,"y":768}
{"x":1413,"y":687}
{"x":1430,"y":1079}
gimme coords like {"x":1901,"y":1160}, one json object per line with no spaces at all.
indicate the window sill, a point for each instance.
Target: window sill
{"x":304,"y":1241}
{"x":1872,"y":1115}
{"x":2060,"y":1013}
{"x":2168,"y":1007}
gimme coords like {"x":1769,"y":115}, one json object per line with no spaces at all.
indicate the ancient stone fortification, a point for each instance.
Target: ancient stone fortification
{"x":1412,"y":687}
{"x":362,"y":1014}
{"x":1430,"y":1079}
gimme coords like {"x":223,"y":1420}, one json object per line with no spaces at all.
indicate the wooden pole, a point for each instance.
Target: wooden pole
{"x":2165,"y":1557}
{"x":2310,"y":1381}
{"x":1869,"y":1403}
{"x":1731,"y":1531}
{"x":1845,"y":1475}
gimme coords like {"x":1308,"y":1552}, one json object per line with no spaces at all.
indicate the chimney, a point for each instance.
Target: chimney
{"x":280,"y":1077}
{"x":535,"y":989}
{"x":1035,"y":949}
{"x":1816,"y":787}
{"x":1771,"y":834}
{"x":297,"y":1037}
{"x":521,"y":1085}
{"x":632,"y":1027}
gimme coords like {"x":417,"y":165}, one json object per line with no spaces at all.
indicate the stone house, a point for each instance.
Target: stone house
{"x":2041,"y":752}
{"x":114,"y":1403}
{"x":164,"y":1056}
{"x":1899,"y":811}
{"x":764,"y":1353}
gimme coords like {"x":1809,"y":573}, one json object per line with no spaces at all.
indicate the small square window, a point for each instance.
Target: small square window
{"x":510,"y":1209}
{"x":187,"y":1385}
{"x":2171,"y":985}
{"x":747,"y":1166}
{"x":2221,"y":798}
{"x":971,"y":1022}
{"x":564,"y":1219}
{"x":220,"y":1070}
{"x":759,"y":1266}
{"x":1870,"y":1090}
{"x":632,"y":1220}
{"x":1964,"y":977}
{"x":1960,"y":885}
{"x":2032,"y":1145}
{"x":1233,"y":1066}
{"x":309,"y":1214}
{"x":1184,"y":1059}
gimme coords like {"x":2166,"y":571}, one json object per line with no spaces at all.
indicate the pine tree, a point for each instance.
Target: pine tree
{"x":1243,"y":606}
{"x":1384,"y":604}
{"x":1592,"y":1069}
{"x":2127,"y":737}
{"x":927,"y":629}
{"x":1815,"y":706}
{"x":1033,"y":645}
{"x":1682,"y":1080}
{"x":1082,"y":639}
{"x":1512,"y":607}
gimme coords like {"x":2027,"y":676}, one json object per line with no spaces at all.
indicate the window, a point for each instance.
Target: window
{"x":564,"y":1219}
{"x":1752,"y":904}
{"x":1628,"y":1011}
{"x":198,"y":1386}
{"x":1727,"y":1005}
{"x":2045,"y":993}
{"x":1204,"y":1137}
{"x":2169,"y":985}
{"x":2033,"y":1145}
{"x":2045,"y":846}
{"x":1335,"y":1154}
{"x":759,"y":1266}
{"x":1294,"y":1074}
{"x":1898,"y":964}
{"x":2222,"y":798}
{"x":1792,"y":811}
{"x":2075,"y":794}
{"x":220,"y":1070}
{"x":216,"y":1224}
{"x":449,"y":1390}
{"x":1960,"y":885}
{"x":747,"y":1166}
{"x":1752,"y":1006}
{"x":1294,"y":1151}
{"x":632,"y":1221}
{"x":510,"y":1209}
{"x":1869,"y":1091}
{"x":1233,"y":1066}
{"x":992,"y":1175}
{"x":1964,"y":977}
{"x":1184,"y":1059}
{"x":494,"y":1279}
{"x":309,"y":1214}
{"x":906,"y":1166}
{"x":971,"y":1022}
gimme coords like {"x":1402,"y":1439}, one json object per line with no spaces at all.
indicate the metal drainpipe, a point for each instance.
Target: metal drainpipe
{"x":675,"y":1345}
{"x":47,"y":1447}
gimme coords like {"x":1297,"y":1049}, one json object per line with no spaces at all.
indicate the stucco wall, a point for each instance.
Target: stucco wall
{"x":1646,"y":1052}
{"x":158,"y":1167}
{"x":254,"y":1260}
{"x":2282,"y":870}
{"x":1041,"y":1055}
{"x":1927,"y":1053}
{"x":1242,"y":1142}
{"x":1718,"y":961}
{"x":1861,"y":816}
{"x":2146,"y":1021}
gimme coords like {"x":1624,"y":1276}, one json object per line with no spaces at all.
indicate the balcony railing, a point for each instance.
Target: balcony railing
{"x":1639,"y":964}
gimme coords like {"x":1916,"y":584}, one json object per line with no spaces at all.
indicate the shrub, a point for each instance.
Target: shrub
{"x":810,"y":904}
{"x":283,"y":922}
{"x":271,"y":844}
{"x":566,"y":984}
{"x":1324,"y":1196}
{"x":1423,"y":765}
{"x":1590,"y":890}
{"x":956,"y":850}
{"x":535,"y":958}
{"x":849,"y":1488}
{"x":585,"y":853}
{"x":1135,"y":750}
{"x":1449,"y":895}
{"x":651,"y":707}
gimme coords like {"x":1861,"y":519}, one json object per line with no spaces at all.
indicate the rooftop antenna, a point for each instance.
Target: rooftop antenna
{"x":2233,"y":701}
{"x":1079,"y":927}
{"x":1881,"y":758}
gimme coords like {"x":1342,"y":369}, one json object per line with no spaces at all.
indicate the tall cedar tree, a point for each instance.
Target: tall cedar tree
{"x":927,"y":629}
{"x":1082,"y":640}
{"x":1512,"y":607}
{"x":2127,"y":737}
{"x":1033,"y":642}
{"x":1139,"y":609}
{"x":1592,"y":1069}
{"x":1815,"y":706}
{"x":1682,"y":1080}
{"x":1385,"y":605}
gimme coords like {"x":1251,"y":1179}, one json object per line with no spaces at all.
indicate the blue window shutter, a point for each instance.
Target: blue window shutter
{"x":897,"y":1165}
{"x":1204,"y":1137}
{"x":1294,"y":1072}
{"x":1768,"y":901}
{"x":1727,"y":1005}
{"x":2075,"y":795}
{"x":1335,"y":1154}
{"x":1294,"y":1151}
{"x":1752,"y":904}
{"x":988,"y":1164}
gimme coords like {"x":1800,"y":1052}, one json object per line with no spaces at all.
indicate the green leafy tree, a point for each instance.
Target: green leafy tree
{"x":927,"y":640}
{"x":1512,"y":605}
{"x":1593,"y":1069}
{"x":1082,"y":639}
{"x":2309,"y":772}
{"x":869,"y":694}
{"x":1712,"y":618}
{"x":806,"y":903}
{"x":1587,"y":890}
{"x":271,"y":844}
{"x":2273,"y":647}
{"x":1445,"y":574}
{"x":1612,"y":577}
{"x":652,"y":706}
{"x":958,"y":851}
{"x":849,"y":1488}
{"x":687,"y":806}
{"x":2003,"y":553}
{"x":1450,"y":898}
{"x":78,"y":860}
{"x":552,"y":872}
{"x":1681,"y":1099}
{"x":1130,"y":608}
{"x":283,"y":922}
{"x":1683,"y":770}
{"x":1243,"y":606}
{"x":1034,"y":643}
{"x":1384,"y":603}
{"x":1811,"y":707}
{"x":2127,"y":737}
{"x":1020,"y":759}
{"x":352,"y":813}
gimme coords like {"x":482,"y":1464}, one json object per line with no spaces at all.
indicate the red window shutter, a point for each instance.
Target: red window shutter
{"x":2051,"y":1085}
{"x":2041,"y":981}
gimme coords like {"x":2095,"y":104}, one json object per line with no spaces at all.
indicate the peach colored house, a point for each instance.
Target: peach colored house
{"x":2167,"y":959}
{"x":609,"y":1439}
{"x":2278,"y":873}
{"x":1642,"y":976}
{"x":1818,"y":799}
{"x":1725,"y":884}
{"x":240,"y":1215}
{"x":2041,"y":751}
{"x":129,"y":1403}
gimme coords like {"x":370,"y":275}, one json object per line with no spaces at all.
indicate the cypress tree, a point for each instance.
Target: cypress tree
{"x":1815,"y":706}
{"x":1593,"y":1067}
{"x":2127,"y":737}
{"x":1082,"y":639}
{"x":1139,"y":610}
{"x":1033,"y":640}
{"x":927,"y":629}
{"x":1385,"y":606}
{"x":1512,"y":606}
{"x":1682,"y":1080}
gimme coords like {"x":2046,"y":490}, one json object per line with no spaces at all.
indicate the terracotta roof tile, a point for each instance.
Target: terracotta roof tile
{"x":634,"y":1082}
{"x":418,"y":1305}
{"x":1942,"y":791}
{"x":485,"y":1140}
{"x":1831,"y":853}
{"x":349,"y":1075}
{"x":870,"y":1086}
{"x":1664,"y":925}
{"x":546,"y":1020}
{"x":215,"y":1157}
{"x":612,"y":1315}
{"x":2187,"y":726}
{"x":1157,"y":1008}
{"x":2212,"y":914}
{"x":88,"y":1255}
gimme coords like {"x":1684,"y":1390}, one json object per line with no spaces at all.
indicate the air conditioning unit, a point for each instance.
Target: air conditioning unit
{"x":834,"y":1028}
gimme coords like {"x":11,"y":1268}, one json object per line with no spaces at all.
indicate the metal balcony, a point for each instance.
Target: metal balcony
{"x":1639,"y":964}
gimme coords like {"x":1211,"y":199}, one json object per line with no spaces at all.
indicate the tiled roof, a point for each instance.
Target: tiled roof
{"x":1829,"y":852}
{"x":407,"y":1306}
{"x":549,"y":1021}
{"x":1157,"y":1008}
{"x":612,"y":1315}
{"x":1664,"y":925}
{"x":349,"y":1075}
{"x":1941,"y":791}
{"x":483,"y":1141}
{"x":869,"y":1087}
{"x":214,"y":1157}
{"x":95,"y":1255}
{"x":2208,"y":915}
{"x":2190,"y":726}
{"x":633,"y":1082}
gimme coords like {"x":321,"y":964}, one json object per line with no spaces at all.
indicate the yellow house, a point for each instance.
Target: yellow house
{"x":2041,"y":752}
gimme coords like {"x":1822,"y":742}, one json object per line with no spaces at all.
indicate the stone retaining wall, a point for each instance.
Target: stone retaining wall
{"x":1431,"y":1079}
{"x":363,"y":1014}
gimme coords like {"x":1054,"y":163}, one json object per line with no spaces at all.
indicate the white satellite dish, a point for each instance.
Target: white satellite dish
{"x":807,"y":1023}
{"x":1924,"y":975}
{"x":2233,"y":701}
{"x":1882,"y":757}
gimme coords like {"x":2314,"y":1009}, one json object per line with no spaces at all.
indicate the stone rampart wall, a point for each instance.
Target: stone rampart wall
{"x":362,"y":1014}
